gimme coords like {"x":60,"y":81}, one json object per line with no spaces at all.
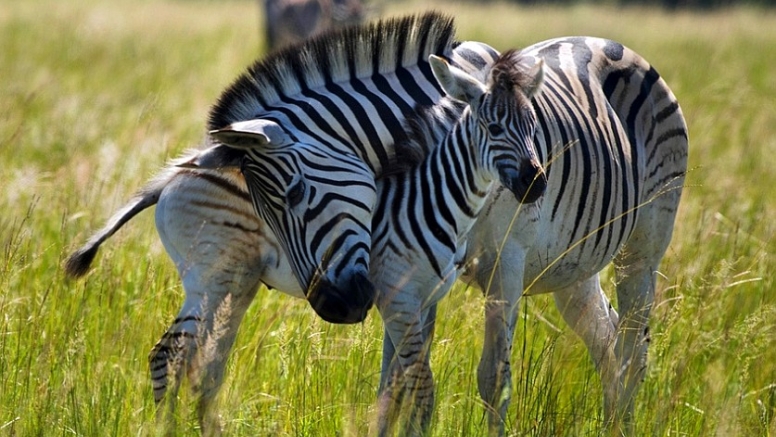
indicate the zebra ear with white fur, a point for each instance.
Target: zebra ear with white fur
{"x":251,"y":134}
{"x":455,"y":82}
{"x":537,"y":74}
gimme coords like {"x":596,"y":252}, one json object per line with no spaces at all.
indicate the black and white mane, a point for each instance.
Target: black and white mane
{"x":340,"y":56}
{"x":424,"y":130}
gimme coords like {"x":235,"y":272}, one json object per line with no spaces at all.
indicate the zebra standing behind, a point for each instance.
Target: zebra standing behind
{"x":614,"y":142}
{"x":292,"y":21}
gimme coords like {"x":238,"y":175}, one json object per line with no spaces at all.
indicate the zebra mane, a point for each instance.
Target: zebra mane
{"x":510,"y":72}
{"x":424,"y":130}
{"x":337,"y":56}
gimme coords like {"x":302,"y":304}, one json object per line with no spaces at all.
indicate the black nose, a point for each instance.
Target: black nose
{"x":532,"y":183}
{"x":344,"y":306}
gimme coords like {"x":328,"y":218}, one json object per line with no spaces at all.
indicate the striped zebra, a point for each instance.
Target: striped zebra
{"x":328,"y":113}
{"x":412,"y":268}
{"x":222,"y":250}
{"x":292,"y":21}
{"x":613,"y":139}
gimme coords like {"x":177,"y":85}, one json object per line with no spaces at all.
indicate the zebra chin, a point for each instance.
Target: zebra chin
{"x":528,"y":185}
{"x":342,"y":305}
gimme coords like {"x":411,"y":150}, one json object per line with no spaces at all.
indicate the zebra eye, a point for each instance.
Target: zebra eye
{"x":295,"y":194}
{"x":495,"y":129}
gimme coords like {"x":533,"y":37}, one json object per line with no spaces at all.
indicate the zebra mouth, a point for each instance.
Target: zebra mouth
{"x":528,"y":185}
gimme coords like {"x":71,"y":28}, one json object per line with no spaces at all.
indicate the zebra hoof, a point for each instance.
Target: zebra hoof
{"x":343,"y":306}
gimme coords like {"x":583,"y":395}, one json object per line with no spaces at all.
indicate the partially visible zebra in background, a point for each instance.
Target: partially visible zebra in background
{"x":222,"y":250}
{"x":614,"y":142}
{"x":288,"y":22}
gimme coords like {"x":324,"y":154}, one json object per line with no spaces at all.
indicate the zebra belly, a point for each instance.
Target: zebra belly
{"x":552,"y":252}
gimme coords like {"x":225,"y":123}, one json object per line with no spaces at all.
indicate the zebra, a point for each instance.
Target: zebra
{"x":328,"y":113}
{"x":614,"y":143}
{"x":292,"y":21}
{"x":221,"y":249}
{"x":412,"y":269}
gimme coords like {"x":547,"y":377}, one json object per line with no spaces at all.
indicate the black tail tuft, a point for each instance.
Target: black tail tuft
{"x":79,"y":262}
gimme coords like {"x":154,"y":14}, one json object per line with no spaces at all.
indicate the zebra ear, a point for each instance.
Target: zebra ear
{"x":455,"y":82}
{"x":536,"y":73}
{"x":252,"y":134}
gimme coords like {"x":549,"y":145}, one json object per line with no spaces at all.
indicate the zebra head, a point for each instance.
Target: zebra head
{"x":294,"y":185}
{"x":505,"y":117}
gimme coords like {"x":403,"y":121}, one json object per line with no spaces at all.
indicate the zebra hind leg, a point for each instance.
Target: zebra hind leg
{"x":586,"y":309}
{"x":636,"y":275}
{"x":168,"y":362}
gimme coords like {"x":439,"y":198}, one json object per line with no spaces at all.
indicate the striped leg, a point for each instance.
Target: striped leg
{"x":198,"y":344}
{"x":169,"y":360}
{"x":636,"y":273}
{"x":588,"y":312}
{"x":389,"y":363}
{"x":406,"y":398}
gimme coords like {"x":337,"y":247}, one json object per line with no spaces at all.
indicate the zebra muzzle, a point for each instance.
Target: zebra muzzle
{"x":346,"y":305}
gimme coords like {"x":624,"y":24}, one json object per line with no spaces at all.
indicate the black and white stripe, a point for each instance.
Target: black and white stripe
{"x":222,"y":250}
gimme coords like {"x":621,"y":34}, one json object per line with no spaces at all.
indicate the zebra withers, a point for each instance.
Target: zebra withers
{"x":334,"y":107}
{"x":424,"y":214}
{"x":614,"y":142}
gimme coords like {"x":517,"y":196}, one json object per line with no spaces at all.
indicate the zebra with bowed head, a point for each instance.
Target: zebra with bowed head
{"x":204,"y":215}
{"x":614,"y":141}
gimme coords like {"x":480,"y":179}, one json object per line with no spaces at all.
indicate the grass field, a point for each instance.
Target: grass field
{"x":95,"y":95}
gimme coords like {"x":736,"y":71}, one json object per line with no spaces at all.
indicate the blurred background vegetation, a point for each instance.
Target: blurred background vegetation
{"x":95,"y":95}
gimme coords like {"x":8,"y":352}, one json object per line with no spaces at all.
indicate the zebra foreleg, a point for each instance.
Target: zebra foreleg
{"x":389,"y":362}
{"x":588,"y":312}
{"x":494,"y":373}
{"x":406,"y":399}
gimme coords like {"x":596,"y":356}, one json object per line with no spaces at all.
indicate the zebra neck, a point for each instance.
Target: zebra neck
{"x":454,"y":171}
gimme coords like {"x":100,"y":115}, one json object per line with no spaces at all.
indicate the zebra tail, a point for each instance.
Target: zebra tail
{"x":78,"y":263}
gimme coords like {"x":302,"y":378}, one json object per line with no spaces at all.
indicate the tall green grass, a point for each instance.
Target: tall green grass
{"x":95,"y":95}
